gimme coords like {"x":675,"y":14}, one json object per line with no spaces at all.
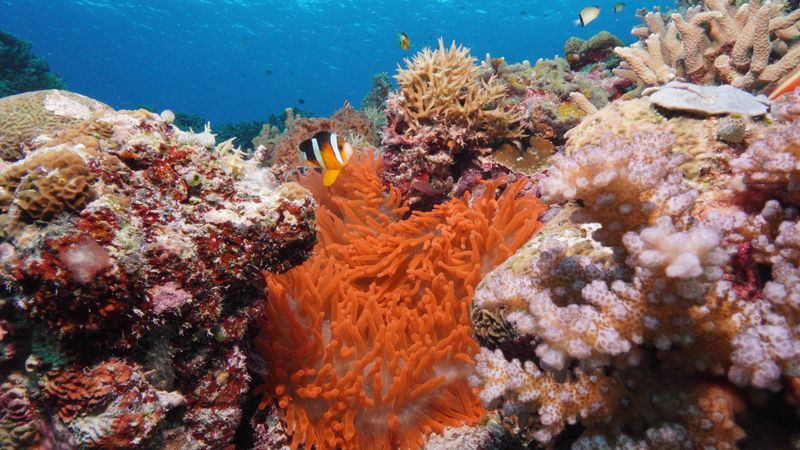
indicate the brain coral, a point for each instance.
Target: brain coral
{"x":370,"y":340}
{"x":41,"y":187}
{"x":26,"y":116}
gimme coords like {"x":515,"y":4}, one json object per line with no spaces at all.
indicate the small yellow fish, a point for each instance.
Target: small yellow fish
{"x":405,"y":42}
{"x":326,"y":151}
{"x":618,"y":7}
{"x":587,"y":15}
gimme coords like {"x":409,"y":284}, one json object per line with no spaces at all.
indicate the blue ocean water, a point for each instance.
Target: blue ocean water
{"x":233,"y":60}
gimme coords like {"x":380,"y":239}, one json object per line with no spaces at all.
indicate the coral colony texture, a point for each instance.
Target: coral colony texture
{"x":747,"y":45}
{"x":600,"y":251}
{"x":131,"y":268}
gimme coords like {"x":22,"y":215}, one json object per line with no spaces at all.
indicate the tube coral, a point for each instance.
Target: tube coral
{"x":369,"y":342}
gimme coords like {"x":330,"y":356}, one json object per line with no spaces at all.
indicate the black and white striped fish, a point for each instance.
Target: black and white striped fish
{"x":329,"y":152}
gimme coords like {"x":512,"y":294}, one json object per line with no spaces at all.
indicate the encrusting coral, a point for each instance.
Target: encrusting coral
{"x":131,"y":268}
{"x":638,"y":310}
{"x":747,"y":45}
{"x":369,"y":341}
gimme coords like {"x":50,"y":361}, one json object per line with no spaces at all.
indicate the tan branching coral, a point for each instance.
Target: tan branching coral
{"x":747,"y":46}
{"x":444,"y":85}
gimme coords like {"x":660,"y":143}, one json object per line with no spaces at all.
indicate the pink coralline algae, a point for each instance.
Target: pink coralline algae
{"x":131,"y":269}
{"x":637,"y":307}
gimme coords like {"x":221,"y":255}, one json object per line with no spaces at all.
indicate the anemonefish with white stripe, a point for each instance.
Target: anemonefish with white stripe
{"x":327,"y":151}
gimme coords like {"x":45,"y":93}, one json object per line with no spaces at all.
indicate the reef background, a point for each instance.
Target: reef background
{"x":213,"y":58}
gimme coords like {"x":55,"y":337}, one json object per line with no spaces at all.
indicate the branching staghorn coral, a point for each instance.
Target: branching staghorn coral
{"x":638,"y":310}
{"x":370,"y":343}
{"x":747,"y":46}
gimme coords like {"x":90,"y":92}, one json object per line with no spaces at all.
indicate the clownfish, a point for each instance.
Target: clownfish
{"x":405,"y":42}
{"x":326,"y":151}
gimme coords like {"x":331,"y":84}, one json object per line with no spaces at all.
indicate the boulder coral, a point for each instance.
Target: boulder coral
{"x":369,"y":342}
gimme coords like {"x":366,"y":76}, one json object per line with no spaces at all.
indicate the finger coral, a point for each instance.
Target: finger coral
{"x":747,"y":45}
{"x":370,"y":340}
{"x":638,"y":310}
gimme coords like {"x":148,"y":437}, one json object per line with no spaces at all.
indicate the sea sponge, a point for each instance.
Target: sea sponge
{"x":40,"y":113}
{"x":369,"y":341}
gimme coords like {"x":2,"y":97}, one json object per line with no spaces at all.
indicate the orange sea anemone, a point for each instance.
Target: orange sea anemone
{"x":369,"y":342}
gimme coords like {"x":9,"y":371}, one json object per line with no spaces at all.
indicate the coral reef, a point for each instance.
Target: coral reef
{"x":598,"y":48}
{"x":20,"y":71}
{"x":369,"y":341}
{"x":747,"y":45}
{"x":132,"y":267}
{"x":41,"y":114}
{"x":443,"y":121}
{"x":378,"y":92}
{"x":649,"y":302}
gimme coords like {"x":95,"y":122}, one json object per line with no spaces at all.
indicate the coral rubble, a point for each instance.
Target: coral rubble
{"x":131,"y":264}
{"x":369,"y":342}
